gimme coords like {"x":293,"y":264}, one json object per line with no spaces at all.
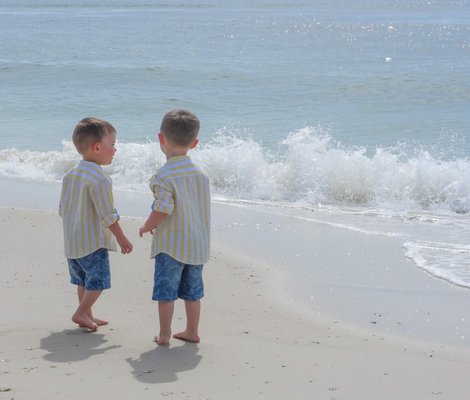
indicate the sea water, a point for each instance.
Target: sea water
{"x":355,"y":110}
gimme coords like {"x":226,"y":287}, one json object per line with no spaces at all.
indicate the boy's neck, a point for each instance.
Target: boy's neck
{"x":89,"y":156}
{"x":175,"y":153}
{"x":90,"y":159}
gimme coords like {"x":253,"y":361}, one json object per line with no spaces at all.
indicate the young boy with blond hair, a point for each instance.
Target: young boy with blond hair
{"x":180,"y":223}
{"x":89,"y":218}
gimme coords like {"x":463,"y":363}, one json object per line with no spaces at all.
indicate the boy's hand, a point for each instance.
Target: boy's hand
{"x":125,"y":245}
{"x":143,"y":230}
{"x":155,"y":218}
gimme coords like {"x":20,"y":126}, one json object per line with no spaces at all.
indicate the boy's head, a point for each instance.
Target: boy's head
{"x":90,"y":131}
{"x":180,"y":128}
{"x":94,"y":139}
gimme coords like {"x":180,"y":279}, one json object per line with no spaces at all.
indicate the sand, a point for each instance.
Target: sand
{"x":252,"y":345}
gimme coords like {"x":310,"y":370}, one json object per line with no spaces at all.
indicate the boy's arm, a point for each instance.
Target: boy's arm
{"x":124,"y":244}
{"x":101,"y":195}
{"x":155,"y":218}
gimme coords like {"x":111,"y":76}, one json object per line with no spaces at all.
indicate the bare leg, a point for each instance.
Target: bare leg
{"x":81,"y":316}
{"x":165,"y":314}
{"x":193,"y":313}
{"x":97,"y":321}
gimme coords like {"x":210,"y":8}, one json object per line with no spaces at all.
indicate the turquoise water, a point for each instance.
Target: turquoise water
{"x":371,"y":73}
{"x":357,"y":110}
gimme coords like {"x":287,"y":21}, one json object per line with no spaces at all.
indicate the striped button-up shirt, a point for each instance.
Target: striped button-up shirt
{"x":87,"y":210}
{"x":182,"y":191}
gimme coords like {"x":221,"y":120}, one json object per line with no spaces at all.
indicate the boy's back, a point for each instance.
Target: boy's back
{"x":89,"y":218}
{"x":87,"y":209}
{"x":182,"y":191}
{"x":181,"y":217}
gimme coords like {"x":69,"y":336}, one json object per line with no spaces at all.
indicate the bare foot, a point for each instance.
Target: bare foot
{"x":161,"y":341}
{"x":99,"y":322}
{"x":84,"y":322}
{"x":187,"y":337}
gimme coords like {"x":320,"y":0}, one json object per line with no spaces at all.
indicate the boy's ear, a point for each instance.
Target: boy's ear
{"x":196,"y":141}
{"x":96,"y":147}
{"x":161,"y":138}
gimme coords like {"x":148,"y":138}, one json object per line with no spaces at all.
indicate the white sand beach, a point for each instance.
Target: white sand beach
{"x":336,"y":139}
{"x":254,"y":344}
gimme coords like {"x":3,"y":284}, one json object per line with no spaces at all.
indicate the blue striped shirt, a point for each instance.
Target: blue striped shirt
{"x":87,"y":210}
{"x":182,"y":191}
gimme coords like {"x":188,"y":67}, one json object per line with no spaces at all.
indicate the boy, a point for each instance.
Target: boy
{"x":89,"y":217}
{"x":181,"y":217}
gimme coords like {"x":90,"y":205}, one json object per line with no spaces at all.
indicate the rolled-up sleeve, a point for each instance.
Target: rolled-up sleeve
{"x":163,"y":197}
{"x":102,"y":197}
{"x":63,"y":197}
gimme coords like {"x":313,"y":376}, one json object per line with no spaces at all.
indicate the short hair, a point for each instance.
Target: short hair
{"x":90,"y":131}
{"x":180,"y":127}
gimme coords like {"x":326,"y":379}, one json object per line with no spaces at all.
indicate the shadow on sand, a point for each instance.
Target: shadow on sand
{"x":163,"y":363}
{"x":73,"y":345}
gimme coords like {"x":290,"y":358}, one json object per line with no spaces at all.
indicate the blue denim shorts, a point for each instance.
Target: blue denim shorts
{"x":91,"y":271}
{"x":173,"y":280}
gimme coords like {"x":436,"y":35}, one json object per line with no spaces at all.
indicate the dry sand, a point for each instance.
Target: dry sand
{"x":252,"y":346}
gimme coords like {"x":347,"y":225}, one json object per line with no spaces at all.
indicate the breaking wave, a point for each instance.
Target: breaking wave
{"x":309,"y":167}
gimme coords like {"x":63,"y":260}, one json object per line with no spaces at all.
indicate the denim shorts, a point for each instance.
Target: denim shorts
{"x":174,"y":279}
{"x":91,"y":271}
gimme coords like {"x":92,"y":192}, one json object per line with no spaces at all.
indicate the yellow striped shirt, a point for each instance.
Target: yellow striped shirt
{"x":182,"y":191}
{"x":87,"y":210}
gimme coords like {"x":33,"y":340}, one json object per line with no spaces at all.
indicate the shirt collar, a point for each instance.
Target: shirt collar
{"x":89,"y":163}
{"x":174,"y":159}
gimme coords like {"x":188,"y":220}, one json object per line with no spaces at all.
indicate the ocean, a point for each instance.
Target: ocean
{"x":356,"y":111}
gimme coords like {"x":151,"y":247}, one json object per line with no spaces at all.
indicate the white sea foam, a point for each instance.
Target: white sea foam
{"x":309,"y":168}
{"x":419,"y":198}
{"x":443,"y":260}
{"x":37,"y":165}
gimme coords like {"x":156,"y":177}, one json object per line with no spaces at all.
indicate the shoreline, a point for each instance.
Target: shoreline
{"x":335,"y":274}
{"x":315,"y":269}
{"x":252,"y":346}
